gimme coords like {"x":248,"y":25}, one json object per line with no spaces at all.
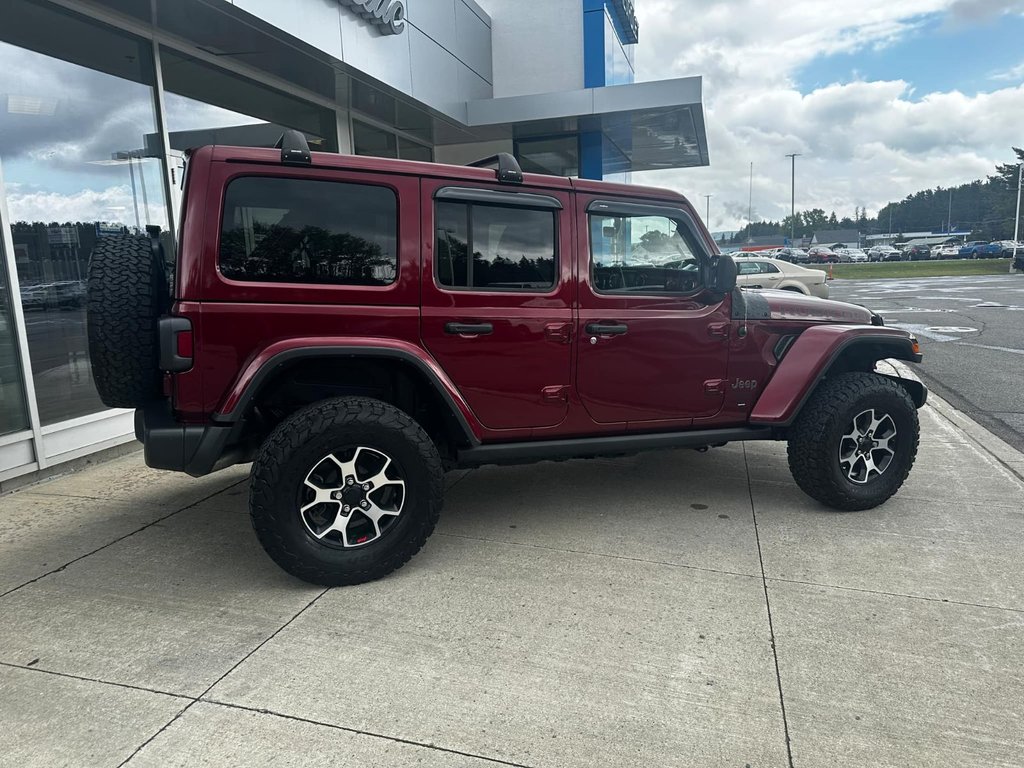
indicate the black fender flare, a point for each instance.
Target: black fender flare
{"x":235,"y":418}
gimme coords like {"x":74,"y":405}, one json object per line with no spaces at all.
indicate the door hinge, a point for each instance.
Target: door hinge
{"x":557,"y":393}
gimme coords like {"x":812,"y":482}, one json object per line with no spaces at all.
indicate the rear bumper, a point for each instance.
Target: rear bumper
{"x":192,"y":448}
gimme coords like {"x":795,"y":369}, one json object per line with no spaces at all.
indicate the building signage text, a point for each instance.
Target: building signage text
{"x":387,"y":15}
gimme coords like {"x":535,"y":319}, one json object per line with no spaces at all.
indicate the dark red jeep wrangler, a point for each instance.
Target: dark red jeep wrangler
{"x":357,"y":326}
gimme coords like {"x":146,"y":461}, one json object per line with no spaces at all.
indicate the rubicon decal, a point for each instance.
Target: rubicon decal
{"x":387,"y":15}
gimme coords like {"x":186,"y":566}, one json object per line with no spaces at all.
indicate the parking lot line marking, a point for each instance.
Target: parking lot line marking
{"x":989,"y":346}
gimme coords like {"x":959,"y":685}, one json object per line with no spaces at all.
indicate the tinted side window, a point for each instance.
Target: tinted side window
{"x":513,"y":249}
{"x":642,"y":254}
{"x":303,"y":231}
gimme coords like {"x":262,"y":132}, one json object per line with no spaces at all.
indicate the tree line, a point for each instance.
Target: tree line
{"x":985,"y":208}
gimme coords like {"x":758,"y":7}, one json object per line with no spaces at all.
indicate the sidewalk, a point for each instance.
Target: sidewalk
{"x":678,"y":609}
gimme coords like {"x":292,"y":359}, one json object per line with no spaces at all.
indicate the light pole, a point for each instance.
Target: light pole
{"x":750,"y":206}
{"x":1016,"y":219}
{"x":707,"y":211}
{"x":792,"y":198}
{"x":949,"y":213}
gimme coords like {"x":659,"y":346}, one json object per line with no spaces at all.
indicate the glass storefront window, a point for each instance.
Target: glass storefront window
{"x":558,"y":156}
{"x":371,"y":140}
{"x":206,"y":105}
{"x":76,"y":106}
{"x":13,"y":413}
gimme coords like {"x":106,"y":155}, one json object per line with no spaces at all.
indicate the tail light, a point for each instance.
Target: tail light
{"x":175,"y":335}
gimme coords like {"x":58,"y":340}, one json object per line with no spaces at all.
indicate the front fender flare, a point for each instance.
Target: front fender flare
{"x":813,"y":354}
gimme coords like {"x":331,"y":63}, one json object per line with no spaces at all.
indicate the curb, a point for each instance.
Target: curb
{"x":996,"y":447}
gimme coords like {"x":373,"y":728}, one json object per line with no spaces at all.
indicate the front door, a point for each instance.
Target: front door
{"x":653,"y":341}
{"x":497,"y":298}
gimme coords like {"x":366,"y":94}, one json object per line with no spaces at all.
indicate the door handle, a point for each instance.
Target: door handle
{"x":607,"y":329}
{"x":469,"y":329}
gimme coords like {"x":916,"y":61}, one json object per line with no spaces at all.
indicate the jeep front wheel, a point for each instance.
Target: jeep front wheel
{"x":345,"y":491}
{"x":854,"y":442}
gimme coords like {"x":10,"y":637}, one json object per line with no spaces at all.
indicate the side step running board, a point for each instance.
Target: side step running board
{"x":515,"y":453}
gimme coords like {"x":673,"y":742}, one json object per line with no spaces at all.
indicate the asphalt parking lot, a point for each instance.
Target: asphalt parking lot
{"x":972,"y":331}
{"x":673,"y":608}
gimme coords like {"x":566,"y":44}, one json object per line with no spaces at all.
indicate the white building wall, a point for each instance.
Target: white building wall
{"x":442,"y":57}
{"x":537,"y":45}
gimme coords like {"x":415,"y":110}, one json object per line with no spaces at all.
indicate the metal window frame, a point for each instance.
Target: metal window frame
{"x":19,"y":329}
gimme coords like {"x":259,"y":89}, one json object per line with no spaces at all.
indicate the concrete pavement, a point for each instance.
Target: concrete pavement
{"x":677,"y":609}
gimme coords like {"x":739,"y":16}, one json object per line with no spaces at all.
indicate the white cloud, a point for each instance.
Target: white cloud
{"x":114,"y":205}
{"x":864,"y":143}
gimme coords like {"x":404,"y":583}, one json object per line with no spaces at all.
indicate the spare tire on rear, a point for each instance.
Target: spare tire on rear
{"x":127,"y":293}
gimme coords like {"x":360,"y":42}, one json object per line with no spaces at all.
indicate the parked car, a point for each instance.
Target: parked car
{"x":820,"y":254}
{"x":852,"y":255}
{"x":1006,"y":248}
{"x":946,"y":251}
{"x":755,"y":272}
{"x":1018,"y":261}
{"x":917,"y":252}
{"x":793,"y":255}
{"x":408,"y":360}
{"x":884,"y":253}
{"x":33,"y":297}
{"x":979,"y":249}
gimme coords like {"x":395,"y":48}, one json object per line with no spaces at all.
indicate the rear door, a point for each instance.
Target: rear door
{"x":497,"y":295}
{"x":653,"y":340}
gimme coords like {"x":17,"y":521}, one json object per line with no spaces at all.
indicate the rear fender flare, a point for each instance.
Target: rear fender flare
{"x":816,"y":352}
{"x":269,"y":361}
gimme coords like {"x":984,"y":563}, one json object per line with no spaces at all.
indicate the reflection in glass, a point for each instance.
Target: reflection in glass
{"x":207,"y":105}
{"x":72,"y":140}
{"x":557,"y":156}
{"x":513,"y":248}
{"x":641,"y":254}
{"x":301,"y":231}
{"x":377,"y":142}
{"x":13,"y":413}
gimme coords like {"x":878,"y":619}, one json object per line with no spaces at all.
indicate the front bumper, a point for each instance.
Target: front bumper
{"x":193,"y":448}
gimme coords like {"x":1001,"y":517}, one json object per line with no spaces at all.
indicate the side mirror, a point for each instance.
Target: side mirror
{"x":723,"y":275}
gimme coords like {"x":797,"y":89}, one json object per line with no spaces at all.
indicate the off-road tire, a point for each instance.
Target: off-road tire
{"x":298,"y":444}
{"x":814,"y":440}
{"x":127,"y":292}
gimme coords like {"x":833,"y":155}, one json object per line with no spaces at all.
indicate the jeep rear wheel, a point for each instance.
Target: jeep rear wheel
{"x":127,"y":291}
{"x":853,"y":444}
{"x":345,"y":491}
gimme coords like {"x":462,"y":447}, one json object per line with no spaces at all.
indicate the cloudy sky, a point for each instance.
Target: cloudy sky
{"x":881,"y":97}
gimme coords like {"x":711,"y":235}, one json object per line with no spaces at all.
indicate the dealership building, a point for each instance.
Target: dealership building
{"x":100,"y":98}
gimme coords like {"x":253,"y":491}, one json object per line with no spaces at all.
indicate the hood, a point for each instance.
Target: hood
{"x":789,"y":305}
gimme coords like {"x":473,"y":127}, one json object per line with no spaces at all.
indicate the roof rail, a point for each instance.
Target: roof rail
{"x":508,"y":171}
{"x":294,"y":148}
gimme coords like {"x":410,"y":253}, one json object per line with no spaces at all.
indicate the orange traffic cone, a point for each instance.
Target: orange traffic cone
{"x":830,"y":270}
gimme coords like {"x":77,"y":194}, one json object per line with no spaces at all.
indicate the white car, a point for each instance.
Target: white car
{"x":949,"y":251}
{"x":758,"y":272}
{"x":852,"y":255}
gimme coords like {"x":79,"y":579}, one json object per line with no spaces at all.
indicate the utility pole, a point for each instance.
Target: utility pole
{"x":707,"y":211}
{"x":792,"y":198}
{"x":949,"y":213}
{"x":890,"y":224}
